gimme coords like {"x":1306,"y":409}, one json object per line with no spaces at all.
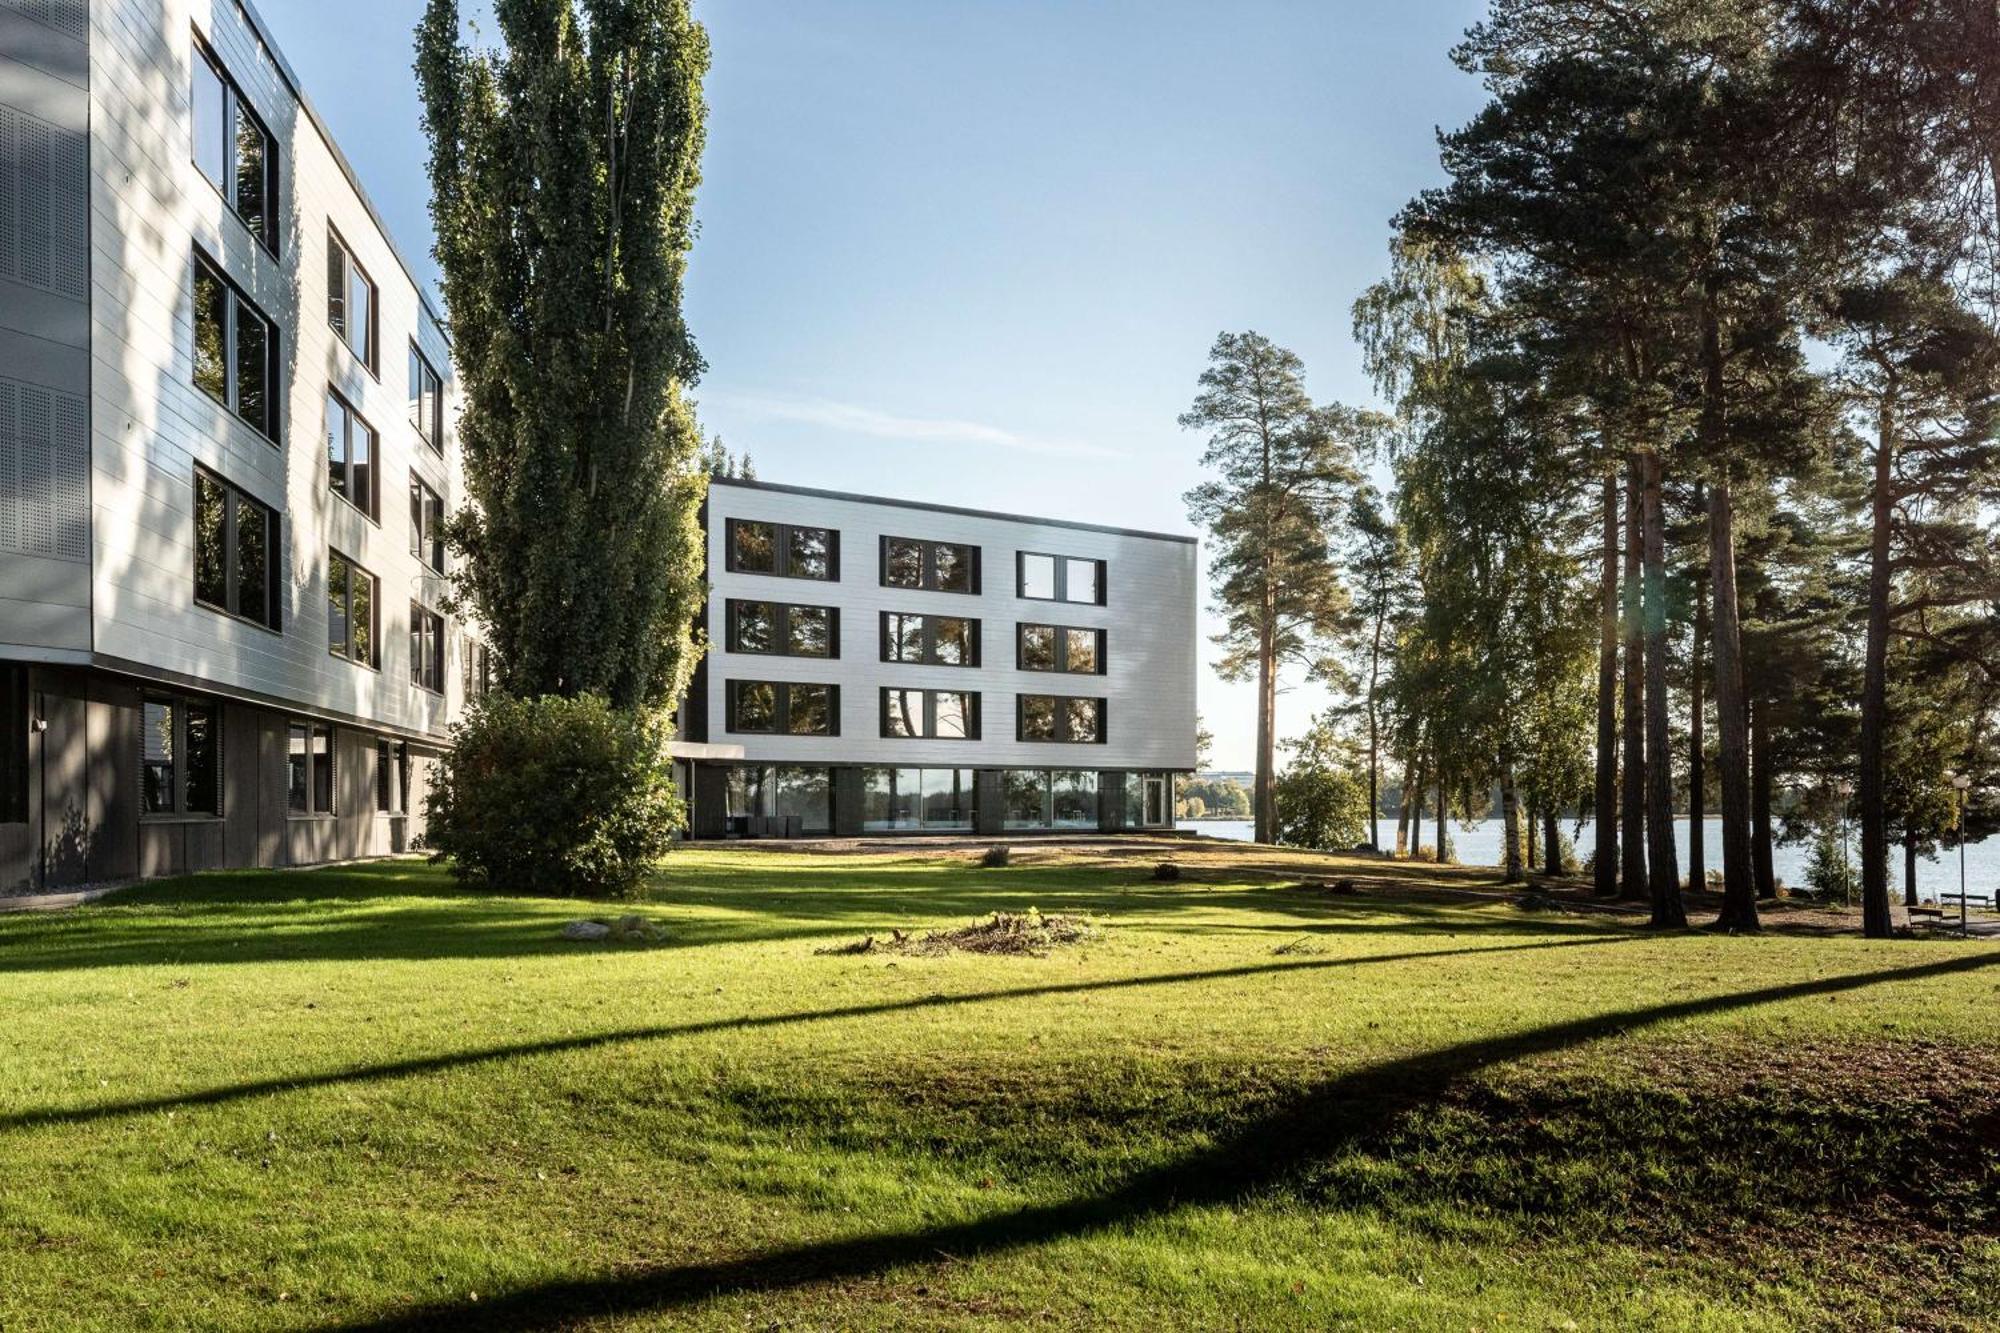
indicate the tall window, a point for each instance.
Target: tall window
{"x":426,"y":400}
{"x":352,"y":611}
{"x":1060,"y":578}
{"x":1050,"y":717}
{"x":944,"y":715}
{"x":1062,"y":648}
{"x":930,"y":640}
{"x":350,"y":456}
{"x":235,"y":349}
{"x":309,"y":768}
{"x":780,"y":629}
{"x":426,"y":648}
{"x":392,"y":777}
{"x":13,"y":743}
{"x":476,"y":668}
{"x":350,"y":300}
{"x":180,"y":769}
{"x":788,"y":551}
{"x":426,"y":525}
{"x":783,"y":708}
{"x":933,"y":566}
{"x":232,"y":148}
{"x":235,"y":551}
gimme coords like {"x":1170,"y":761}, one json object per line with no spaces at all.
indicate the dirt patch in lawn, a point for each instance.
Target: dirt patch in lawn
{"x":1028,"y":933}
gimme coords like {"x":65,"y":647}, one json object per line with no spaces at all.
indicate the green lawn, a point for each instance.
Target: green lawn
{"x":361,"y":1098}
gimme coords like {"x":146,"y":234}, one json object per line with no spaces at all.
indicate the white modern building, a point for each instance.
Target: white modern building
{"x":224,"y":453}
{"x":884,"y":666}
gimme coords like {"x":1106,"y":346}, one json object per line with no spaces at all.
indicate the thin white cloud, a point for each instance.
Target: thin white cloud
{"x":859,"y":420}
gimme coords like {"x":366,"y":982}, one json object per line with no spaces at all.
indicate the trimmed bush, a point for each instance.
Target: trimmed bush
{"x":996,"y":856}
{"x":554,"y":796}
{"x":1166,"y":871}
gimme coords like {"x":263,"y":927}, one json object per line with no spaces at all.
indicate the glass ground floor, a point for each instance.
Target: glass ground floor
{"x":748,"y":800}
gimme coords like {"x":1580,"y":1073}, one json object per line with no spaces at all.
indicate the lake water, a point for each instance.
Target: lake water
{"x":1480,"y":845}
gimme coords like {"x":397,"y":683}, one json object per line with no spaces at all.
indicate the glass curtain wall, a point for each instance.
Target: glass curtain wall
{"x":897,"y":799}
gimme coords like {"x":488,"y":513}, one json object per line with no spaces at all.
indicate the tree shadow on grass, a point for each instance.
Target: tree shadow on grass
{"x":1338,"y":1114}
{"x":622,"y":1036}
{"x":411,"y":910}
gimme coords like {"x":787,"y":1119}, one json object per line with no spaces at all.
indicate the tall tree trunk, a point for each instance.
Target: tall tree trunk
{"x":1552,"y":843}
{"x":1909,"y":868}
{"x":1264,"y":824}
{"x":1739,"y":892}
{"x":1444,"y":848}
{"x":1697,"y":761}
{"x":1764,"y":780}
{"x":1663,"y":872}
{"x":1375,"y":741}
{"x":1510,"y":822}
{"x":1403,"y":799}
{"x":1874,"y":687}
{"x":1632,"y":862}
{"x":1532,"y":823}
{"x":1417,"y":810}
{"x":1606,"y":849}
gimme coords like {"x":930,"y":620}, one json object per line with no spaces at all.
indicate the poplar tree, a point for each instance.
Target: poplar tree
{"x":1285,"y":471}
{"x":563,"y":166}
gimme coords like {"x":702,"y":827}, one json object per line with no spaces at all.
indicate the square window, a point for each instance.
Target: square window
{"x":1081,"y":648}
{"x":809,"y":553}
{"x":1038,"y":717}
{"x":809,"y":631}
{"x":1038,"y":576}
{"x":753,"y":547}
{"x":1038,"y":648}
{"x":756,"y":706}
{"x":811,"y":710}
{"x":756,"y":627}
{"x":1080,"y":581}
{"x":903,"y":563}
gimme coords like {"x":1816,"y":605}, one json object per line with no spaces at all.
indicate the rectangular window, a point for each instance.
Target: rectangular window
{"x":180,"y":768}
{"x":232,"y":149}
{"x":929,"y":640}
{"x":1060,"y":578}
{"x":352,"y":611}
{"x":309,"y":768}
{"x":780,"y":629}
{"x":1050,"y":717}
{"x":426,"y":400}
{"x":14,"y":728}
{"x":914,"y":798}
{"x":1061,"y":648}
{"x":784,"y":790}
{"x":1073,"y":799}
{"x":932,"y":566}
{"x":1025,"y":799}
{"x":426,"y":525}
{"x":392,"y":777}
{"x":783,"y":708}
{"x":945,"y":715}
{"x":426,"y":648}
{"x":476,"y":667}
{"x":350,"y":300}
{"x":235,"y":349}
{"x":235,"y":552}
{"x":758,"y":547}
{"x":350,"y":456}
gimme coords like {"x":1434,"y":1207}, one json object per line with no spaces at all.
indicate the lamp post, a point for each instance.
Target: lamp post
{"x":1846,"y":790}
{"x":1962,"y":784}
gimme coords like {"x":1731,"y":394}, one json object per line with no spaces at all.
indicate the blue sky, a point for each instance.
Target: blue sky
{"x":976,"y":252}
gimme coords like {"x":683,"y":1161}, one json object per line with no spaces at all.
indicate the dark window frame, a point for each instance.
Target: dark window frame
{"x":927,"y":577}
{"x":781,"y":708}
{"x":1061,"y":703}
{"x":781,"y":550}
{"x":16,"y":703}
{"x":373,"y":662}
{"x":236,"y":302}
{"x":927,"y":654}
{"x":974,"y":709}
{"x":426,"y":524}
{"x":233,"y":499}
{"x":372,"y":511}
{"x":392,"y":778}
{"x":318,"y":804}
{"x":1062,"y":578}
{"x":429,"y":425}
{"x":781,"y":629}
{"x":180,"y":760}
{"x":234,"y":104}
{"x":427,"y":630}
{"x":1062,"y":633}
{"x":371,"y":357}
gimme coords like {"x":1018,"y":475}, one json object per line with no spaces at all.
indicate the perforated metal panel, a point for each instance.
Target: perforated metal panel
{"x":44,"y":205}
{"x":44,"y":472}
{"x":68,"y":17}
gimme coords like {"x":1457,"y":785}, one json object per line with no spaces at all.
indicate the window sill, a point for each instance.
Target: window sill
{"x":310,"y":817}
{"x":365,"y":666}
{"x":240,"y":619}
{"x":165,"y":817}
{"x":355,"y":507}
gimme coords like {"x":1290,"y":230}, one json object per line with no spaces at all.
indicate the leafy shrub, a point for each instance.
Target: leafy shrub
{"x":1828,"y":870}
{"x":554,"y":796}
{"x":1166,"y":871}
{"x":996,"y":856}
{"x":1321,"y":806}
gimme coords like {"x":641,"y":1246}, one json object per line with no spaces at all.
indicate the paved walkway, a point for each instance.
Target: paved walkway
{"x":52,"y":902}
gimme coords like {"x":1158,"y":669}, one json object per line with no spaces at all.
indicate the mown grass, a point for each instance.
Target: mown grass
{"x":364,"y":1098}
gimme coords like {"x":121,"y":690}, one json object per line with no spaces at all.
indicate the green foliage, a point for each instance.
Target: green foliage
{"x":1828,"y":869}
{"x":554,"y":795}
{"x":1322,"y":794}
{"x":1219,"y":798}
{"x":562,"y":170}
